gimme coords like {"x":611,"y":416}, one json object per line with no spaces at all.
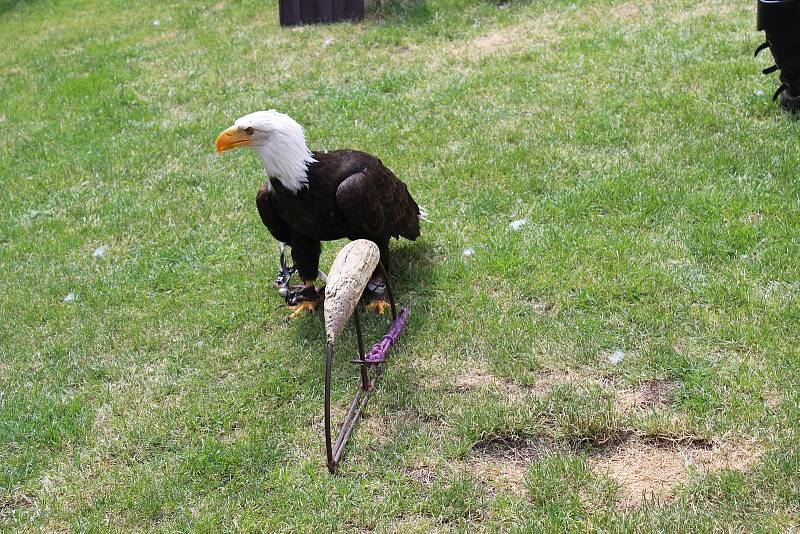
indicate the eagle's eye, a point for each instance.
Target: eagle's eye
{"x":249,"y":130}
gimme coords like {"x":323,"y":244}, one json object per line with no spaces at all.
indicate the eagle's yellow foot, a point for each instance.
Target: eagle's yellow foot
{"x":378,"y":306}
{"x":307,"y":299}
{"x":302,"y":306}
{"x":376,"y":292}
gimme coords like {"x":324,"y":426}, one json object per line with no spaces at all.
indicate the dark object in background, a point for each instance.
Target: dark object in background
{"x":780,"y":21}
{"x":311,"y":11}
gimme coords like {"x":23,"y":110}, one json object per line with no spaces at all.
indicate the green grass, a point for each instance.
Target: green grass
{"x":660,"y":192}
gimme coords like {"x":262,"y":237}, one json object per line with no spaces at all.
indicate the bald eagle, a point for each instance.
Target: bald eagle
{"x":314,"y":196}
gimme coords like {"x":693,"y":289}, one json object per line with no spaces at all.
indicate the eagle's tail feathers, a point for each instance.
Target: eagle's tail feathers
{"x":423,"y":214}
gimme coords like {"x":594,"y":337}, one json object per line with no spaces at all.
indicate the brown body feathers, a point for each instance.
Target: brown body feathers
{"x":350,"y":194}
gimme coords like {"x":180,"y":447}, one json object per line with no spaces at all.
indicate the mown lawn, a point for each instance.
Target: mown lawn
{"x":658,"y":189}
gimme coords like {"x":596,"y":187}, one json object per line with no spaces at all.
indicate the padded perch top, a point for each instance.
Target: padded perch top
{"x":350,"y":272}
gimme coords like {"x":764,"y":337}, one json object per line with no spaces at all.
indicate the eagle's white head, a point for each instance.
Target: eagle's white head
{"x":280,"y":142}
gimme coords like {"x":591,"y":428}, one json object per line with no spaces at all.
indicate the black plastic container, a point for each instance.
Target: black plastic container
{"x":314,"y":11}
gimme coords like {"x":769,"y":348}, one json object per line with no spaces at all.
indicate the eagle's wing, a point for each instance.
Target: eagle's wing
{"x":376,"y":203}
{"x":269,"y":216}
{"x":359,"y":200}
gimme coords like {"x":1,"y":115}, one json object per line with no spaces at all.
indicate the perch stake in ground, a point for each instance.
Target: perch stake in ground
{"x":349,"y":274}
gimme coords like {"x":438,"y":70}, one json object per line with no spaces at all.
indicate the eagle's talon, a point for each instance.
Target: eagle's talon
{"x":309,"y":293}
{"x":378,"y":306}
{"x":302,"y":306}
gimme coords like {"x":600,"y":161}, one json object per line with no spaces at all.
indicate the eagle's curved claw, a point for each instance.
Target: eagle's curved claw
{"x":378,"y":305}
{"x":376,"y":290}
{"x":302,"y":306}
{"x":306,"y":299}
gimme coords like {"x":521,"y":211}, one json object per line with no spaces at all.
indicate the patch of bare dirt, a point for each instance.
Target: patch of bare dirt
{"x":432,"y":368}
{"x":317,"y":421}
{"x":488,"y":44}
{"x":543,"y":28}
{"x":476,"y":378}
{"x":646,"y":468}
{"x":632,"y":11}
{"x":511,"y":447}
{"x":381,"y":428}
{"x":508,"y":39}
{"x":650,"y":394}
{"x":540,"y":307}
{"x":626,"y":10}
{"x":406,"y":49}
{"x":413,"y":523}
{"x":772,"y":398}
{"x":13,"y":502}
{"x":754,"y":217}
{"x":657,"y":392}
{"x":499,"y":475}
{"x":501,"y":462}
{"x":158,"y":37}
{"x":384,"y":428}
{"x":701,"y":9}
{"x":423,"y":474}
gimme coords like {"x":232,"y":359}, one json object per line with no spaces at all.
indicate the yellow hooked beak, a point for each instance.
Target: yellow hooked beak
{"x":231,"y":138}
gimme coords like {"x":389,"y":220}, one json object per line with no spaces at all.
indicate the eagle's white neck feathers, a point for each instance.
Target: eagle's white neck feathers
{"x":280,"y":142}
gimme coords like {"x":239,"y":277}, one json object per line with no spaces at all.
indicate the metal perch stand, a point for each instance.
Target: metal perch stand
{"x":349,"y":275}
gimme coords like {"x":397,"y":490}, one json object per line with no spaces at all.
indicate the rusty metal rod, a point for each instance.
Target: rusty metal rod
{"x":360,"y":338}
{"x":347,"y":429}
{"x":328,"y":449}
{"x":348,"y":420}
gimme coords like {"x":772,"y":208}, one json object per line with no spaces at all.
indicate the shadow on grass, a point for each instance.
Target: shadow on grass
{"x":412,"y":267}
{"x":9,"y":5}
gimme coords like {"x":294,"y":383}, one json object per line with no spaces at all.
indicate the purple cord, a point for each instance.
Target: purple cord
{"x":378,"y":351}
